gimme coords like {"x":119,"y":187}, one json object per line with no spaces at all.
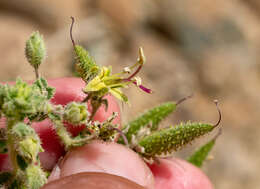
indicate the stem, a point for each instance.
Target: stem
{"x":36,"y":73}
{"x":94,"y":110}
{"x":11,"y":144}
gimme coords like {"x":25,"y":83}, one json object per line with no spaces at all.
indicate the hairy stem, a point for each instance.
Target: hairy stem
{"x":11,"y":144}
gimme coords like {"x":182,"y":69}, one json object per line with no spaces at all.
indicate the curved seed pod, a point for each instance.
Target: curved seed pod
{"x":172,"y":139}
{"x":199,"y":156}
{"x":85,"y":64}
{"x":153,"y":116}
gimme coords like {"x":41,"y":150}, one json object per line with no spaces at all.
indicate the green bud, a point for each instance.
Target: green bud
{"x":35,"y":49}
{"x":30,"y":148}
{"x":76,"y":113}
{"x":21,"y":130}
{"x":36,"y":177}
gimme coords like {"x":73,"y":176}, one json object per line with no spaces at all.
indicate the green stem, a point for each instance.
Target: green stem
{"x":11,"y":144}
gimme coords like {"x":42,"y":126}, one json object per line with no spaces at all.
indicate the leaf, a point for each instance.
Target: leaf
{"x":153,"y":116}
{"x":199,"y":156}
{"x":4,"y":177}
{"x":172,"y":139}
{"x":3,"y":147}
{"x":21,"y":162}
{"x":42,"y":84}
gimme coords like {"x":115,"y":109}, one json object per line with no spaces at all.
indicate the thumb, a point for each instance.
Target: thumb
{"x":92,"y":180}
{"x":111,"y":158}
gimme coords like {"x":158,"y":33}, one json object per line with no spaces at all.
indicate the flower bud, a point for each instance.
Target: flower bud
{"x":35,"y":49}
{"x":76,"y":113}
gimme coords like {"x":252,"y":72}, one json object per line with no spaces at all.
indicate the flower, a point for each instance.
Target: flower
{"x":106,"y":82}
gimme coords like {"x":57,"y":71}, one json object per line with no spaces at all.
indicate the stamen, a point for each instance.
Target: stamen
{"x":144,"y":88}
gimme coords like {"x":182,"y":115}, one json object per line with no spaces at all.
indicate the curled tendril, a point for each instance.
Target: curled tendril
{"x":184,"y":99}
{"x":219,"y":113}
{"x":71,"y":27}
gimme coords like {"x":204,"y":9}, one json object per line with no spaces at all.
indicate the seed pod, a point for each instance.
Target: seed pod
{"x":172,"y":139}
{"x":153,"y":116}
{"x":35,"y":50}
{"x":85,"y":64}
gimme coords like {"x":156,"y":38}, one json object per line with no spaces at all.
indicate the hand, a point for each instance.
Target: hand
{"x":95,"y":165}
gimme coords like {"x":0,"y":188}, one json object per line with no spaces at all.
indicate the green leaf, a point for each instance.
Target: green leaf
{"x":199,"y":156}
{"x":171,"y":139}
{"x":3,"y":147}
{"x":153,"y":116}
{"x":4,"y":177}
{"x":42,"y":84}
{"x":36,"y":177}
{"x":21,"y":162}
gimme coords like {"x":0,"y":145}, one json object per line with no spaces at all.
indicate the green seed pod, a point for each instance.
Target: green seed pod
{"x":171,"y":139}
{"x":153,"y":116}
{"x":35,"y":49}
{"x":76,"y":113}
{"x":85,"y":64}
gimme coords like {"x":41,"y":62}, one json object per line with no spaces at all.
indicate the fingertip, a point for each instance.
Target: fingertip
{"x":109,"y":158}
{"x":92,"y":180}
{"x":179,"y":174}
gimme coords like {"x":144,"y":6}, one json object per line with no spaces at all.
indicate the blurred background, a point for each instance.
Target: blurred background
{"x":208,"y":48}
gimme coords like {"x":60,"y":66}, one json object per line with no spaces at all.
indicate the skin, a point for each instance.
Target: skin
{"x":104,"y":165}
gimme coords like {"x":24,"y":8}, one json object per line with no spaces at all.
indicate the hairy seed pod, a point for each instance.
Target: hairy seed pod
{"x":35,"y":50}
{"x":153,"y":116}
{"x":171,"y":139}
{"x":85,"y":64}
